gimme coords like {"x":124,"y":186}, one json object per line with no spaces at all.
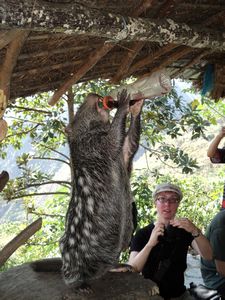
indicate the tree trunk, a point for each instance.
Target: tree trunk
{"x":76,"y":19}
{"x":22,"y":283}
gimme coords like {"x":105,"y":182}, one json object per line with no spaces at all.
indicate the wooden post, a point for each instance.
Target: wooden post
{"x":19,"y":240}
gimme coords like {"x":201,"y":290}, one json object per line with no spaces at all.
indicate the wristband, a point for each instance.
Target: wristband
{"x":196,"y":234}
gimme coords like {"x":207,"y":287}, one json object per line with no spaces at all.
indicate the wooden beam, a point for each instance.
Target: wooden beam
{"x":77,"y":19}
{"x":19,"y":240}
{"x":91,"y":61}
{"x":7,"y":67}
{"x":8,"y":36}
{"x":10,"y":60}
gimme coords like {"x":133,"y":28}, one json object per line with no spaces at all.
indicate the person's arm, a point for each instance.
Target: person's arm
{"x":200,"y":242}
{"x":202,"y":247}
{"x":215,"y":143}
{"x":138,"y":259}
{"x":220,"y":267}
{"x":217,"y":240}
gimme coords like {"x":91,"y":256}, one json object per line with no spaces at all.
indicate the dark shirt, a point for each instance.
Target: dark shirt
{"x":215,"y":233}
{"x":166,"y":262}
{"x":219,"y":157}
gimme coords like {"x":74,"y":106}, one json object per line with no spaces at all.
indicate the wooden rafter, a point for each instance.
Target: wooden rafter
{"x":199,"y":5}
{"x":19,"y":240}
{"x":178,"y":53}
{"x":127,"y":61}
{"x":47,"y":69}
{"x":40,"y":88}
{"x":145,"y":5}
{"x":7,"y":67}
{"x":8,"y":37}
{"x":150,"y":58}
{"x":91,"y":61}
{"x":218,"y":89}
{"x":10,"y":60}
{"x":166,"y":8}
{"x":52,"y":52}
{"x":214,"y":18}
{"x":191,"y":63}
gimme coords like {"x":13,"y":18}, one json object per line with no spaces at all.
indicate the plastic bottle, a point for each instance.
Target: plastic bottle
{"x":157,"y":84}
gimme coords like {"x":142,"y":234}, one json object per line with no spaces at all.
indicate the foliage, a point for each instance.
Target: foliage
{"x":170,"y":116}
{"x":45,"y":242}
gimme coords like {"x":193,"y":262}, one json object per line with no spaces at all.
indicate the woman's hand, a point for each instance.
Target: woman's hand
{"x":157,"y":231}
{"x":222,"y":132}
{"x":186,"y":224}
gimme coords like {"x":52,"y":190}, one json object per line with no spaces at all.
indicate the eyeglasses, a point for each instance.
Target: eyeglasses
{"x":164,"y":200}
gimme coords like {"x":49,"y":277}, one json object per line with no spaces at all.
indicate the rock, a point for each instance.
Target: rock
{"x":22,"y":283}
{"x":193,"y":272}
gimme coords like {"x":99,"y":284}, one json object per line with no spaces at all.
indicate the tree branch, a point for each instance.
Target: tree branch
{"x":51,"y":158}
{"x":23,"y":132}
{"x":30,"y":109}
{"x":46,"y":215}
{"x":42,"y":244}
{"x":26,"y":121}
{"x":39,"y":194}
{"x":64,"y":183}
{"x":158,"y":154}
{"x":53,"y":150}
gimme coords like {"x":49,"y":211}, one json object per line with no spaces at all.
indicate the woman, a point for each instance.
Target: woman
{"x":159,"y":250}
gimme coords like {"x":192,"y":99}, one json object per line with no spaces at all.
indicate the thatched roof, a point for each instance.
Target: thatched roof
{"x":50,"y":45}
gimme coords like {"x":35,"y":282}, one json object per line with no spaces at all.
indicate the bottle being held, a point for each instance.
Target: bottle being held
{"x":157,"y":84}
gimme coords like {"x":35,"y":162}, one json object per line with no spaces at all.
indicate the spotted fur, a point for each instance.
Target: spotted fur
{"x":99,"y":218}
